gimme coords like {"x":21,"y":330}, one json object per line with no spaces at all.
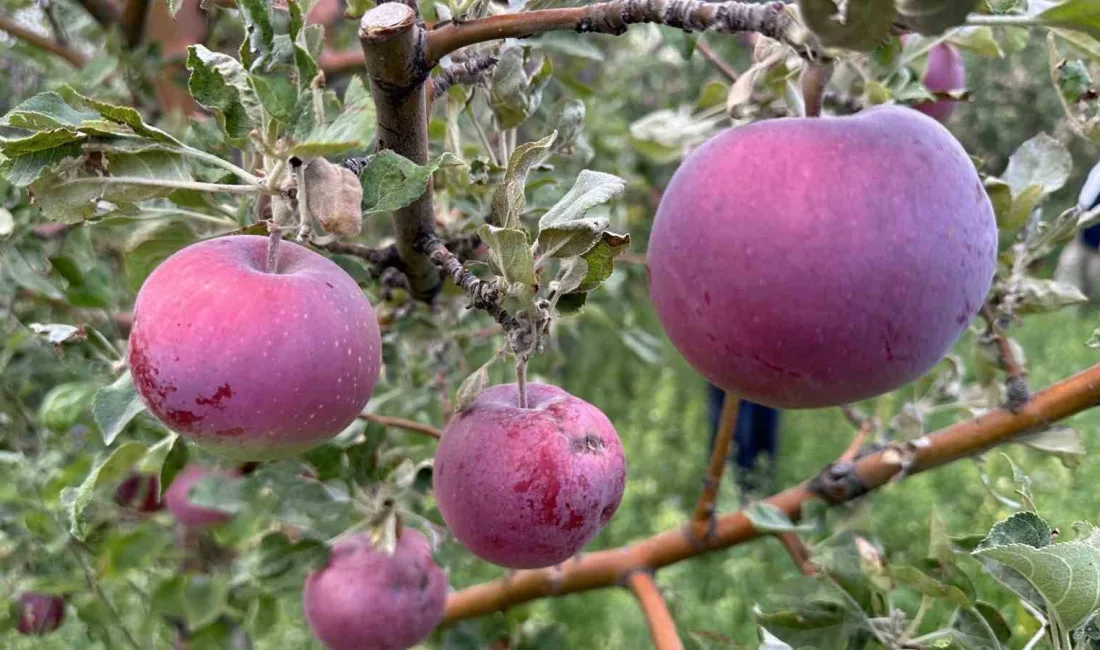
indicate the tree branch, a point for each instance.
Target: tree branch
{"x":401,"y":423}
{"x":105,"y":12}
{"x":32,"y":37}
{"x":662,"y":629}
{"x":703,"y":517}
{"x":483,"y":295}
{"x":718,"y":62}
{"x":1015,"y":381}
{"x":614,"y":17}
{"x":960,"y":440}
{"x":133,"y":21}
{"x":393,"y":46}
{"x":467,"y":72}
{"x":797,"y":549}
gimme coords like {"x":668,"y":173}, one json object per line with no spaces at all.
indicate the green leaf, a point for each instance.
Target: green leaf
{"x":219,"y":492}
{"x":1041,"y":161}
{"x":149,"y":247}
{"x":259,"y":32}
{"x":565,"y":230}
{"x":473,"y":385}
{"x":933,"y":17}
{"x":767,"y":518}
{"x":106,"y":469}
{"x":124,"y":115}
{"x":509,"y":254}
{"x":862,"y":26}
{"x":1066,"y":575}
{"x":25,"y":169}
{"x":264,"y":614}
{"x":220,"y":84}
{"x":276,"y":94}
{"x":303,"y":58}
{"x":514,"y":95}
{"x":58,"y":333}
{"x":1037,"y":296}
{"x":352,"y":130}
{"x":979,"y":40}
{"x":41,"y":141}
{"x":205,"y":597}
{"x":115,"y":405}
{"x":572,"y":274}
{"x":391,"y":181}
{"x":1078,"y":15}
{"x":19,"y":271}
{"x":65,"y":403}
{"x":1064,"y":442}
{"x":1021,"y":528}
{"x":46,"y":111}
{"x":156,"y":457}
{"x":921,"y":582}
{"x":973,"y":631}
{"x":278,"y":556}
{"x":939,"y":545}
{"x":509,"y":200}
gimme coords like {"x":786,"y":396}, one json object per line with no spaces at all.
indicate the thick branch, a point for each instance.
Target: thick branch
{"x":133,"y":21}
{"x":400,"y":423}
{"x":963,"y":439}
{"x":32,"y":37}
{"x":614,"y":17}
{"x":393,"y":50}
{"x":703,"y":517}
{"x":662,"y":629}
{"x":105,"y":12}
{"x":468,"y":72}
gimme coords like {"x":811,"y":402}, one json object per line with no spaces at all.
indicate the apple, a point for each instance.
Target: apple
{"x":367,"y":599}
{"x":944,"y":72}
{"x":253,"y":365}
{"x":140,"y":492}
{"x":178,"y":498}
{"x":528,"y":487}
{"x":39,"y":614}
{"x":814,"y":262}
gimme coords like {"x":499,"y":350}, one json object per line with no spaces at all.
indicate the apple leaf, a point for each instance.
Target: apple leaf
{"x":352,"y":130}
{"x":1079,"y":15}
{"x":509,"y":254}
{"x":156,"y":458}
{"x":263,"y":616}
{"x":924,"y":583}
{"x":220,"y":84}
{"x":303,"y":59}
{"x":123,"y":115}
{"x":573,"y":272}
{"x":219,"y":492}
{"x":1021,"y":528}
{"x":472,"y":386}
{"x":1064,"y":442}
{"x":767,"y":518}
{"x":150,"y":246}
{"x":855,"y":25}
{"x":933,"y":17}
{"x":259,"y":32}
{"x":63,"y":405}
{"x":1065,"y":575}
{"x":58,"y":333}
{"x":114,"y":406}
{"x":391,"y":181}
{"x":565,"y":230}
{"x":45,"y":111}
{"x":106,"y":468}
{"x":981,"y":627}
{"x":509,"y":200}
{"x":22,"y":170}
{"x":205,"y":597}
{"x":277,"y":94}
{"x":514,"y":95}
{"x":1037,"y":295}
{"x":1042,"y":161}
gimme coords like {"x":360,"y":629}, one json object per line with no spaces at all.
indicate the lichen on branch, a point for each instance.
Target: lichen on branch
{"x":466,"y":72}
{"x":483,"y":294}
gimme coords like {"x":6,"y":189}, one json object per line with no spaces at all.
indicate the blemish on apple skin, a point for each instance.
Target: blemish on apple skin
{"x":223,"y":393}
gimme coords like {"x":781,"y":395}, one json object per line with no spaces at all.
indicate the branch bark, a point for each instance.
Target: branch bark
{"x":133,"y":21}
{"x":1015,"y":380}
{"x":770,"y":19}
{"x":105,"y":12}
{"x":393,"y":49}
{"x":961,"y":440}
{"x":32,"y":37}
{"x":703,"y":517}
{"x":483,"y":295}
{"x":662,"y":629}
{"x":468,"y":72}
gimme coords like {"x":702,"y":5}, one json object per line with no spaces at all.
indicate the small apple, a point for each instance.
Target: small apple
{"x":39,"y":614}
{"x":528,"y":487}
{"x":368,"y":599}
{"x":251,"y":364}
{"x":177,"y":498}
{"x":140,"y":492}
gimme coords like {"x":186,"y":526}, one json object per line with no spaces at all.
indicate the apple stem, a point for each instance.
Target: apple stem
{"x":521,"y":381}
{"x":274,"y":236}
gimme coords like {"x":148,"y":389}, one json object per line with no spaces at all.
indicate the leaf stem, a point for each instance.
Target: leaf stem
{"x":521,"y":380}
{"x":1004,"y":21}
{"x":177,"y":185}
{"x":219,"y":162}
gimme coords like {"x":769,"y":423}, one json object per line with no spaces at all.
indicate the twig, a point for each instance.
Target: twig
{"x":400,"y":423}
{"x":104,"y":11}
{"x":334,"y":63}
{"x":133,"y":21}
{"x":607,"y":568}
{"x":815,"y":78}
{"x":483,"y":295}
{"x":93,"y":584}
{"x":718,"y":62}
{"x":857,"y":442}
{"x":1015,"y":381}
{"x":37,"y":40}
{"x":614,"y":17}
{"x":703,"y":516}
{"x":274,"y":237}
{"x":468,"y":72}
{"x":662,"y":629}
{"x":797,"y":549}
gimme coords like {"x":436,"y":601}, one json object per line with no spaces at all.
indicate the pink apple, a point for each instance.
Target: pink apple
{"x":178,"y":498}
{"x":39,"y":614}
{"x":944,"y":72}
{"x":366,"y":599}
{"x":250,"y":364}
{"x":813,"y":262}
{"x":528,"y":487}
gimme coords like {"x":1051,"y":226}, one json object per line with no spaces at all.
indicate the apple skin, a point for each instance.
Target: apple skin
{"x":528,"y":488}
{"x":944,"y":72}
{"x":177,"y":499}
{"x":364,"y":599}
{"x":813,"y":262}
{"x":39,"y":614}
{"x":249,"y":364}
{"x":140,"y":492}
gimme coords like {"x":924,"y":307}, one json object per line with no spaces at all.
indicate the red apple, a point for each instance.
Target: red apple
{"x":528,"y":487}
{"x":944,"y":72}
{"x":250,"y":364}
{"x":140,"y":492}
{"x":178,"y":498}
{"x":39,"y":614}
{"x":366,"y":599}
{"x":813,"y":262}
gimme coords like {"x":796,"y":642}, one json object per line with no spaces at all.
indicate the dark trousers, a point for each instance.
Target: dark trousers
{"x":754,"y":434}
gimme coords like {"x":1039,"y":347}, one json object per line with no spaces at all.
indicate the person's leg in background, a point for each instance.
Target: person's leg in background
{"x":755,"y":434}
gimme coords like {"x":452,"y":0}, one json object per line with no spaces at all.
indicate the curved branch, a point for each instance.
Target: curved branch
{"x":42,"y":42}
{"x":662,"y":629}
{"x":770,"y":19}
{"x":837,"y":483}
{"x":105,"y":12}
{"x":401,"y":423}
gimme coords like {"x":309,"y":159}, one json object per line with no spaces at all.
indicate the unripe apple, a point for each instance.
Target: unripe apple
{"x":140,"y":492}
{"x":528,"y":487}
{"x":250,"y":364}
{"x":177,"y":498}
{"x":39,"y":614}
{"x":944,"y":72}
{"x":813,"y":262}
{"x":367,"y":599}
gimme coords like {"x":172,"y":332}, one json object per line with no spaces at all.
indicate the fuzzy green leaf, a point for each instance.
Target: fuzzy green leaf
{"x":115,"y":405}
{"x":509,"y":199}
{"x":107,"y":468}
{"x":565,"y":229}
{"x":862,"y":25}
{"x":219,"y":82}
{"x":509,"y":254}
